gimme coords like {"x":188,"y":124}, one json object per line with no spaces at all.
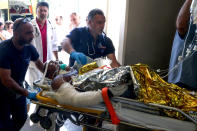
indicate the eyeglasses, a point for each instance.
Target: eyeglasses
{"x":21,"y":21}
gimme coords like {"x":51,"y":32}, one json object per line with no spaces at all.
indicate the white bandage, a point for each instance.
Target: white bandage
{"x":67,"y":95}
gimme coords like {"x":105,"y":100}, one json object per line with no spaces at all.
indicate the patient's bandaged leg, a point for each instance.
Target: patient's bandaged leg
{"x":67,"y":95}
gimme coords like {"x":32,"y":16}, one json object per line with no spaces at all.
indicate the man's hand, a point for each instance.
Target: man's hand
{"x":79,"y":57}
{"x":32,"y":96}
{"x":114,"y":62}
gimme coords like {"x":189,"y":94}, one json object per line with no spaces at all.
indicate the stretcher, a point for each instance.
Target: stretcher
{"x":127,"y":111}
{"x":131,"y":113}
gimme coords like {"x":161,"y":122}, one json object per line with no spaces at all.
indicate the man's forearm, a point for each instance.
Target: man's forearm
{"x":183,"y":18}
{"x":11,"y":84}
{"x":114,"y":63}
{"x":39,"y":65}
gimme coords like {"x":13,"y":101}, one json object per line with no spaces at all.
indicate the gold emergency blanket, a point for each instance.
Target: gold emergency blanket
{"x":88,"y":67}
{"x":151,"y":88}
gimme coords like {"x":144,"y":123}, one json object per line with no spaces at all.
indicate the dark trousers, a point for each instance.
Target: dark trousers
{"x":13,"y":113}
{"x":186,"y":86}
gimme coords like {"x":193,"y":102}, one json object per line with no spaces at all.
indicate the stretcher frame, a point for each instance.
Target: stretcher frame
{"x":53,"y":106}
{"x":56,"y":109}
{"x":103,"y":115}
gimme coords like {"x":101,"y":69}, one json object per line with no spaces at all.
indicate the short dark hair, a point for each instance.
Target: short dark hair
{"x":19,"y":22}
{"x":74,"y":13}
{"x":42,"y":4}
{"x":94,"y":12}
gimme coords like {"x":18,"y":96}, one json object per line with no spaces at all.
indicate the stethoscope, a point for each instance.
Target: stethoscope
{"x":37,"y":32}
{"x":92,"y":45}
{"x":94,"y":52}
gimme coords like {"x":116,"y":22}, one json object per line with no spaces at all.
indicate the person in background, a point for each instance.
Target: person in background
{"x":60,"y":29}
{"x":183,"y":74}
{"x":61,"y":34}
{"x":74,"y":21}
{"x":59,"y":20}
{"x":15,"y":55}
{"x":45,"y":41}
{"x":9,"y":29}
{"x":90,"y":41}
{"x":2,"y":32}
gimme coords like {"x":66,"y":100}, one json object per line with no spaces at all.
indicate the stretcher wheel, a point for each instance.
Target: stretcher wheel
{"x":45,"y":122}
{"x":35,"y":118}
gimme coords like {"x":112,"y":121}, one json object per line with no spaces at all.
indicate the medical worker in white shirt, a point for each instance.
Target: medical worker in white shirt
{"x":45,"y":41}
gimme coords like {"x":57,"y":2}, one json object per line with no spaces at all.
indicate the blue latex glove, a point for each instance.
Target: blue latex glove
{"x":79,"y":57}
{"x":32,"y":96}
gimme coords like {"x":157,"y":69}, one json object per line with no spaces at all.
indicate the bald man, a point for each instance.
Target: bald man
{"x":15,"y":55}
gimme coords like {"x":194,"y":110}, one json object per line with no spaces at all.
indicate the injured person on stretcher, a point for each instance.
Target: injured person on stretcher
{"x":137,"y":82}
{"x":66,"y":94}
{"x":149,"y":96}
{"x":66,"y":89}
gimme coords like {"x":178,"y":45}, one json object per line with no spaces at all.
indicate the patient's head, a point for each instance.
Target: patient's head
{"x":52,"y":70}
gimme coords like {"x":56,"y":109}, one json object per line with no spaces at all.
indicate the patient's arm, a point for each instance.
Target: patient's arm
{"x":50,"y":94}
{"x":66,"y":94}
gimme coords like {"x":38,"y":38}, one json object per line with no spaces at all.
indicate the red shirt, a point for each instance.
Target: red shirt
{"x":43,"y":31}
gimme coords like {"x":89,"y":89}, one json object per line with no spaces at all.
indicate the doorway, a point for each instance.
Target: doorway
{"x":114,"y":10}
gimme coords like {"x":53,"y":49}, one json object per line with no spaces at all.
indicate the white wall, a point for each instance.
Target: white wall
{"x":116,"y":25}
{"x":114,"y":11}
